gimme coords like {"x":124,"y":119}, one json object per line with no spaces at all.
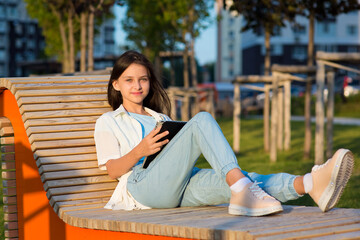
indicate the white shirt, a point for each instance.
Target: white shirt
{"x":116,"y":134}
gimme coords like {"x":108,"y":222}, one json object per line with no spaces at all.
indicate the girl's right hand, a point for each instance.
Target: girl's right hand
{"x":150,"y":145}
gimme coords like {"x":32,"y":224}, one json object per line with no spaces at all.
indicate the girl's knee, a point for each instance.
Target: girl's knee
{"x":204,"y":116}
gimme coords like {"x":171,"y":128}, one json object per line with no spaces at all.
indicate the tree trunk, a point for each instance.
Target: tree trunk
{"x":267,"y":60}
{"x":172,"y":72}
{"x":185,"y":61}
{"x":91,"y":40}
{"x":307,"y":110}
{"x":71,"y":42}
{"x":83,"y":24}
{"x":65,"y":47}
{"x":193,"y":64}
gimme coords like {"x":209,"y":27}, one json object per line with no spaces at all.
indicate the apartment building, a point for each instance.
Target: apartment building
{"x":22,"y":44}
{"x":243,"y":53}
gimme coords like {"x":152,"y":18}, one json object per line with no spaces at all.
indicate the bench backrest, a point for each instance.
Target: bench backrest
{"x":59,"y":115}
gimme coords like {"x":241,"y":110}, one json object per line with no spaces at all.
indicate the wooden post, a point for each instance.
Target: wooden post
{"x":266,"y":118}
{"x":330,"y":113}
{"x":280,"y":128}
{"x":210,"y":102}
{"x":319,"y":134}
{"x":237,"y":116}
{"x":185,"y":107}
{"x":173,"y":104}
{"x":287,"y":114}
{"x":274,"y":118}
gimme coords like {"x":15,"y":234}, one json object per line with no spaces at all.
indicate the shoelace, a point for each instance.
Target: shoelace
{"x":258,"y":192}
{"x":318,"y":167}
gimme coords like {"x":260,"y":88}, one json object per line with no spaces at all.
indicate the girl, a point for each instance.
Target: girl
{"x":125,"y":136}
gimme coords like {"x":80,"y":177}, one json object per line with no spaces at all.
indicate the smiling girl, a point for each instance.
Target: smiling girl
{"x":126,"y":135}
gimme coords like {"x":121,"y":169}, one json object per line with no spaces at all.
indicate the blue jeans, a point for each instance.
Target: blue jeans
{"x":171,"y":180}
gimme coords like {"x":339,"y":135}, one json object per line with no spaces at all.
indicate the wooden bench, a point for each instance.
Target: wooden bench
{"x":60,"y":192}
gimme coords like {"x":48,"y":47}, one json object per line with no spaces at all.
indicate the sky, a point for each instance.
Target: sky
{"x":205,"y":44}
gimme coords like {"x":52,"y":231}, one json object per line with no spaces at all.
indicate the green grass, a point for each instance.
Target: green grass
{"x":350,"y":108}
{"x":253,"y":158}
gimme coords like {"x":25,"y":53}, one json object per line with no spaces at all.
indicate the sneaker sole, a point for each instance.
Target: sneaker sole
{"x":243,"y":211}
{"x":339,"y":178}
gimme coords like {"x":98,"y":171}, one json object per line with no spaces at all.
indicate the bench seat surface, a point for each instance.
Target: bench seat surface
{"x":59,"y":115}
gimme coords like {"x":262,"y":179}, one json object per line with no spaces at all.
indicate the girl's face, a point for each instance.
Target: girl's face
{"x":134,"y":85}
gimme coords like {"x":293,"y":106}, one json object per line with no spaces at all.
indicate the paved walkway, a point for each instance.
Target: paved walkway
{"x":337,"y":120}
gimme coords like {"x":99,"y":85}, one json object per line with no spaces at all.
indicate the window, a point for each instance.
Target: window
{"x":109,"y":34}
{"x":2,"y":40}
{"x":299,"y":29}
{"x":351,"y":30}
{"x":2,"y":26}
{"x":12,"y":11}
{"x":2,"y":11}
{"x":2,"y":70}
{"x":2,"y":54}
{"x":277,"y":31}
{"x":231,"y":34}
{"x":276,"y":50}
{"x":299,"y":53}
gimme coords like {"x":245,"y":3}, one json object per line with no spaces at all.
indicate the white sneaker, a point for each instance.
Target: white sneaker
{"x":253,"y":201}
{"x":330,"y":178}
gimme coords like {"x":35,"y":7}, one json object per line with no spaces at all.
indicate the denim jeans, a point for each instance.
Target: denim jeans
{"x":171,"y":180}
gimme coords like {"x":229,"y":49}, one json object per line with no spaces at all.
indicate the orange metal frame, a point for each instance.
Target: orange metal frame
{"x":36,"y":218}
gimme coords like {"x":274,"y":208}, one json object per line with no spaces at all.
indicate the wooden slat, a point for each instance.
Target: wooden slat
{"x":51,"y":92}
{"x":66,"y":158}
{"x":60,"y":121}
{"x":6,"y":131}
{"x":61,"y":136}
{"x":68,"y":166}
{"x":62,"y":205}
{"x":61,"y":128}
{"x":63,"y":144}
{"x":62,"y":99}
{"x":9,"y":183}
{"x":63,"y":152}
{"x":8,"y":175}
{"x":7,"y":140}
{"x":99,"y":205}
{"x":77,"y":181}
{"x":62,"y":106}
{"x":9,"y":191}
{"x":80,"y":196}
{"x":10,"y":225}
{"x":81,"y":189}
{"x":4,"y":122}
{"x":12,"y":234}
{"x":9,"y":200}
{"x":10,"y":217}
{"x":7,"y":165}
{"x":8,"y":156}
{"x":64,"y":113}
{"x":8,"y":148}
{"x":57,"y":79}
{"x":58,"y":85}
{"x":10,"y":208}
{"x":72,"y":174}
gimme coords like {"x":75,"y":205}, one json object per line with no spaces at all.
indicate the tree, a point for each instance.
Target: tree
{"x":318,"y":10}
{"x":60,"y":20}
{"x":264,"y":15}
{"x":155,"y":26}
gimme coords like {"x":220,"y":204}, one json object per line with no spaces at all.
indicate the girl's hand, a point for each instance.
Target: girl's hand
{"x":149,"y":144}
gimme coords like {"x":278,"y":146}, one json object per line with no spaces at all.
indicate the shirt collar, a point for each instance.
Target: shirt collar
{"x":121,"y":111}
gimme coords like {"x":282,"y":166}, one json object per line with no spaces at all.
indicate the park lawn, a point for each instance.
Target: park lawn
{"x":253,"y":158}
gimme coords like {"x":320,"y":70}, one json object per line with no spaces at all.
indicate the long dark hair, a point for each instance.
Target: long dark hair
{"x":157,"y":99}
